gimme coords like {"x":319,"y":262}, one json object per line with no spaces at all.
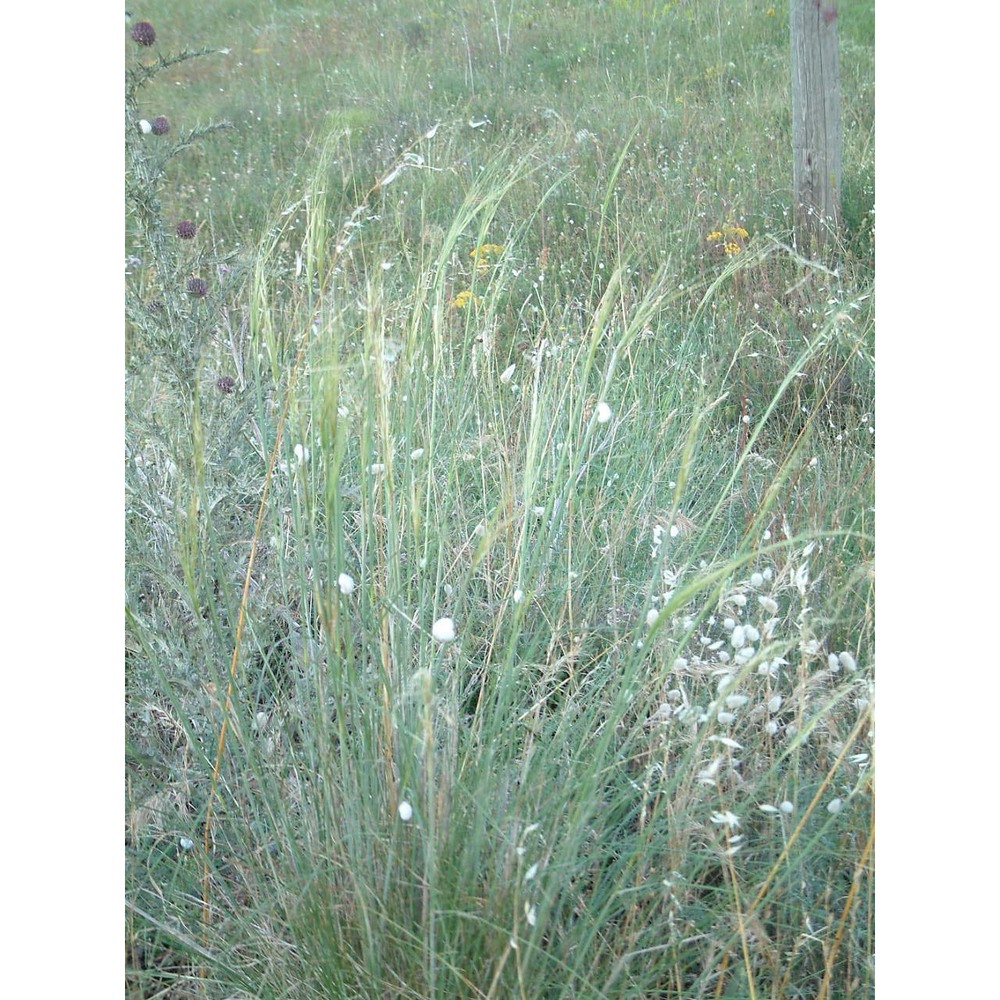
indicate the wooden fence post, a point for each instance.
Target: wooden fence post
{"x":816,"y":127}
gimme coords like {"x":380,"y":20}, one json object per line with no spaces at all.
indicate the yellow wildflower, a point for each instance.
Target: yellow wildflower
{"x":484,"y":255}
{"x":463,"y":298}
{"x":728,"y":239}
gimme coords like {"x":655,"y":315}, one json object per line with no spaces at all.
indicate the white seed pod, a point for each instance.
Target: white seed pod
{"x":443,"y":630}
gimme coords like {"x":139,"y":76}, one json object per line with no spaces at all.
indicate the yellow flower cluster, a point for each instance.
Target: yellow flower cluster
{"x":484,"y":258}
{"x":485,"y":255}
{"x":728,"y":239}
{"x":463,"y":298}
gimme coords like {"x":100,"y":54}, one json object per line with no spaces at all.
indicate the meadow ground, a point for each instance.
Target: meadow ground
{"x":499,"y":480}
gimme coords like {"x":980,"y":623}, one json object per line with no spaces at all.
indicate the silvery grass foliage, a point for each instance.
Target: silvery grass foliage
{"x":503,"y":723}
{"x":555,"y":679}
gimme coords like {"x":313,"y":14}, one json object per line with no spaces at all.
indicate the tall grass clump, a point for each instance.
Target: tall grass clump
{"x":500,"y":574}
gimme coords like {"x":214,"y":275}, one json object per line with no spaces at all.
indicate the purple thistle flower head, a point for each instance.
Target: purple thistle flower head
{"x":143,"y":33}
{"x":197,"y":287}
{"x":186,"y":229}
{"x":225,"y":384}
{"x":160,"y":125}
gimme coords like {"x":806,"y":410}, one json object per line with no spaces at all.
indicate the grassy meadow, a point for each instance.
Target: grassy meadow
{"x":499,"y":506}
